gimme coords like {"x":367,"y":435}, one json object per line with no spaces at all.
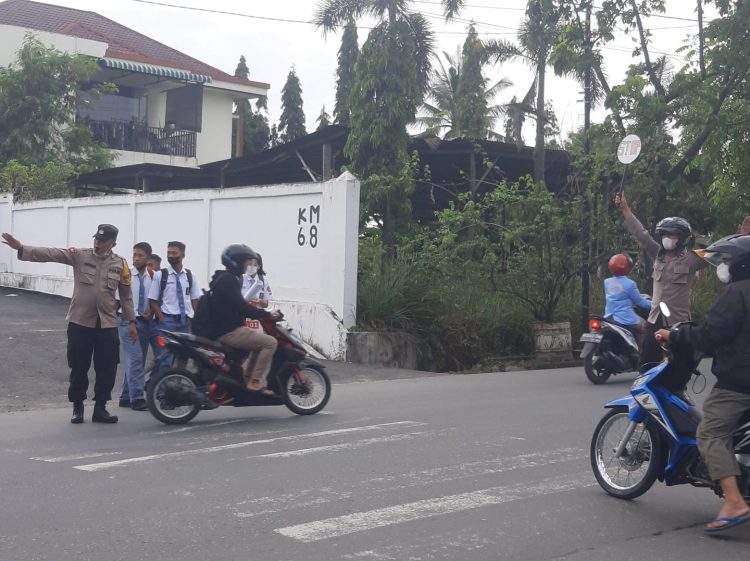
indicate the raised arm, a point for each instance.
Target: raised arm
{"x":40,"y":254}
{"x":649,"y":245}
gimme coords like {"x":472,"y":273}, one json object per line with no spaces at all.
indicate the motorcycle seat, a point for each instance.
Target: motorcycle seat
{"x":203,"y":341}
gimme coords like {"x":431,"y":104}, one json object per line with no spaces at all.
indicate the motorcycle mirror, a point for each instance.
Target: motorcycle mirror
{"x":664,"y":309}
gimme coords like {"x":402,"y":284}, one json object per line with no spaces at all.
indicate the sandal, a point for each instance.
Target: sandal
{"x":253,"y":386}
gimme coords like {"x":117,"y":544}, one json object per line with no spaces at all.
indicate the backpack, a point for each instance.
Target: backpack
{"x":201,"y":324}
{"x":165,"y":279}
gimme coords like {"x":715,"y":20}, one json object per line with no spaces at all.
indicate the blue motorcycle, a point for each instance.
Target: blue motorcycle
{"x":650,"y":434}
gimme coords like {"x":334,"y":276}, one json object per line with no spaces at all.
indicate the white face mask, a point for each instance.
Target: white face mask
{"x":252,"y":270}
{"x":722,"y":271}
{"x":668,"y":243}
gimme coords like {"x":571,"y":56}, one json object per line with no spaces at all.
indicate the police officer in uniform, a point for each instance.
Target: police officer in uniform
{"x":92,"y":319}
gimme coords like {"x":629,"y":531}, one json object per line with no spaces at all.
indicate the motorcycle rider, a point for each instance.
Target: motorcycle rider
{"x":622,"y":294}
{"x":725,"y":333}
{"x":674,"y":272}
{"x":229,"y":310}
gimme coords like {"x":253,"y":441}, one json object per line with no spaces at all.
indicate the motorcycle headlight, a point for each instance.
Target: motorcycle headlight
{"x":639,"y":381}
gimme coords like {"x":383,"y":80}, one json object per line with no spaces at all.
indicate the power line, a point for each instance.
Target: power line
{"x":512,"y":30}
{"x":214,"y":11}
{"x":486,"y":7}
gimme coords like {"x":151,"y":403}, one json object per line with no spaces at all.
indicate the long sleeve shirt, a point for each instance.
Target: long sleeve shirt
{"x":673,"y":274}
{"x":95,"y":280}
{"x":622,"y":294}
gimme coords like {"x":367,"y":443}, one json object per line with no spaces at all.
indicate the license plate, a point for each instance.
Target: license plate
{"x":591,"y":338}
{"x":252,"y":323}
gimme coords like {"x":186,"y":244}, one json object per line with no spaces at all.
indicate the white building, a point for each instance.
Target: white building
{"x":171,"y":109}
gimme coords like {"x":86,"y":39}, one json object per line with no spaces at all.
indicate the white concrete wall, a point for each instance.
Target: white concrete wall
{"x":214,"y":142}
{"x":127,"y":158}
{"x":11,"y":39}
{"x":311,"y":258}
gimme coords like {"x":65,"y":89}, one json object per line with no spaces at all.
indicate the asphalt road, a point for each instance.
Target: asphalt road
{"x":33,"y":367}
{"x":471,"y":468}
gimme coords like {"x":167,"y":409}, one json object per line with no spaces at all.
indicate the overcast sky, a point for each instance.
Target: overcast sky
{"x":273,"y":47}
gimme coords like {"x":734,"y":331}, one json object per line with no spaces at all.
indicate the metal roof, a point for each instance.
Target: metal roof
{"x":152,"y":69}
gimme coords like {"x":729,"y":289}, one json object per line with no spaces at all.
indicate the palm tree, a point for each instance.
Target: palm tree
{"x":331,"y":15}
{"x":443,"y":112}
{"x":536,"y":37}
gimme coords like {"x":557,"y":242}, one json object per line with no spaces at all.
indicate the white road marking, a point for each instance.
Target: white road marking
{"x":168,"y":455}
{"x":408,"y":512}
{"x":345,"y":446}
{"x":55,"y":459}
{"x":47,"y":330}
{"x":203,"y":426}
{"x":395,"y":483}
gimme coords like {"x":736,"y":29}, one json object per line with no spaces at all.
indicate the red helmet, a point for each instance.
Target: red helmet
{"x":620,"y":264}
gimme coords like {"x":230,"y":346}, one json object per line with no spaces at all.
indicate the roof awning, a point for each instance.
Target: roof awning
{"x":162,"y":71}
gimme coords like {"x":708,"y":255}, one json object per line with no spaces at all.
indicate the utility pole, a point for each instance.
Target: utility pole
{"x":585,"y":207}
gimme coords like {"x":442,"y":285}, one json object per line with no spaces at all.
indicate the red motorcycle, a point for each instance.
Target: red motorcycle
{"x":207,"y":374}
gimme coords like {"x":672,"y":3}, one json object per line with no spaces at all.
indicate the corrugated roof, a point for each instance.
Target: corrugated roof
{"x":124,"y":43}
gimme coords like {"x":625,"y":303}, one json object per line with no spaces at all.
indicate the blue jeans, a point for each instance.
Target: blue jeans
{"x":172,"y":324}
{"x":148,"y":330}
{"x":132,"y":354}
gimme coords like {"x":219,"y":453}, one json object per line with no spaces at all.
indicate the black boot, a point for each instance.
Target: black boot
{"x":101,"y":415}
{"x":77,"y":417}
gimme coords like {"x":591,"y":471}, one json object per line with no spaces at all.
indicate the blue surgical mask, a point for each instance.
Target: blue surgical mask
{"x":252,"y":270}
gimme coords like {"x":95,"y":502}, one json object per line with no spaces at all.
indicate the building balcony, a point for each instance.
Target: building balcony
{"x":134,"y":136}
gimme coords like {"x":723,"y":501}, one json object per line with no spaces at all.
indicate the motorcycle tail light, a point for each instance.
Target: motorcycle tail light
{"x":161,"y":341}
{"x":595,"y":325}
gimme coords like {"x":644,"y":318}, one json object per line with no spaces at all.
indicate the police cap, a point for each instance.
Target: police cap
{"x":106,"y":232}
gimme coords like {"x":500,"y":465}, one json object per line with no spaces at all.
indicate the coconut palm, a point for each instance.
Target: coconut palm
{"x":537,"y":35}
{"x":331,"y":15}
{"x":443,"y":110}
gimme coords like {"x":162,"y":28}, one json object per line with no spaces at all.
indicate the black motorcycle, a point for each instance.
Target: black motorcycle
{"x":206,"y":374}
{"x":608,"y":348}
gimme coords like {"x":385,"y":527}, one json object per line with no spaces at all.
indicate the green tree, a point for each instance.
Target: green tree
{"x":292,"y":120}
{"x":347,"y":58}
{"x":460,"y":97}
{"x":538,"y":34}
{"x":324,"y":119}
{"x":40,"y":95}
{"x":332,"y":14}
{"x":383,"y":102}
{"x":255,"y":122}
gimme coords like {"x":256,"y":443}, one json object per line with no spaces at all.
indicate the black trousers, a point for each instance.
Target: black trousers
{"x":651,"y":351}
{"x":103,"y":344}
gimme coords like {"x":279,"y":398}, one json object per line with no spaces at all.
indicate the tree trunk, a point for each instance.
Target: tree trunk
{"x":389,"y":238}
{"x":701,"y":42}
{"x":585,"y":207}
{"x":646,"y":57}
{"x":539,"y":149}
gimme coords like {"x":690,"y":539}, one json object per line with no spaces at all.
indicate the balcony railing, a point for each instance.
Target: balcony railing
{"x":137,"y":137}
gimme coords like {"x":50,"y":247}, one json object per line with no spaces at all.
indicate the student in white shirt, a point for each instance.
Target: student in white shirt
{"x":173,"y":307}
{"x":134,"y":352}
{"x":255,"y":287}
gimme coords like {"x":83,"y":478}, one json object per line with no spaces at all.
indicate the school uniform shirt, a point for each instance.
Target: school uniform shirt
{"x":253,"y":286}
{"x":170,"y":305}
{"x":622,"y":294}
{"x":136,"y":279}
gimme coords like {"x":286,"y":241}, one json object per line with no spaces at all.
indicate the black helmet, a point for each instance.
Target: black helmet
{"x":736,"y":249}
{"x":235,"y":255}
{"x":675,"y":226}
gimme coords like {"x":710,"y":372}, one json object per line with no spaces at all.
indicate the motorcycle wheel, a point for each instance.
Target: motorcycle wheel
{"x":635,"y":471}
{"x":160,"y":408}
{"x":311,"y":394}
{"x":594,"y":374}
